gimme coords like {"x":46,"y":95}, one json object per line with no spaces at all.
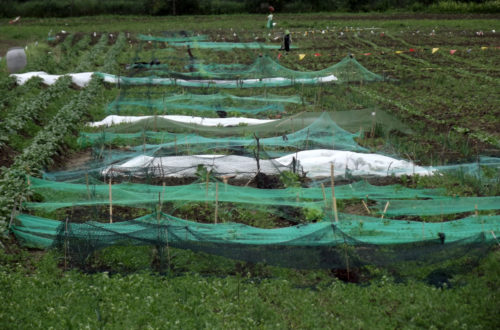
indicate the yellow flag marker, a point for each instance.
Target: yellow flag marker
{"x":301,"y":56}
{"x":484,"y":48}
{"x":434,"y":50}
{"x":399,"y":51}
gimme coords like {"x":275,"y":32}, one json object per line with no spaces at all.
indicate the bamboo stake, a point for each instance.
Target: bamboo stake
{"x":324,"y":195}
{"x":493,"y":234}
{"x":477,"y":216}
{"x":12,"y":213}
{"x":159,"y":208}
{"x":334,"y":200}
{"x":224,"y":179}
{"x":163,"y":193}
{"x":385,"y":210}
{"x":66,"y":245}
{"x":110,"y":202}
{"x":206,"y":190}
{"x":87,"y":185}
{"x":216,"y":200}
{"x":366,"y":206}
{"x":307,"y":137}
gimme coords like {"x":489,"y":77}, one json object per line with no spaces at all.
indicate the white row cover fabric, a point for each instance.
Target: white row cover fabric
{"x":230,"y":121}
{"x":80,"y":79}
{"x":315,"y":163}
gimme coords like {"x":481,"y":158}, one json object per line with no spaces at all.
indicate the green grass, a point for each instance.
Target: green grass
{"x":37,"y":293}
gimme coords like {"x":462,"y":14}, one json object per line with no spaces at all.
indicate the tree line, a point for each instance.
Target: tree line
{"x":68,"y":8}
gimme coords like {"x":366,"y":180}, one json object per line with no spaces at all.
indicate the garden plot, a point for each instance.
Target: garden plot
{"x":302,"y":161}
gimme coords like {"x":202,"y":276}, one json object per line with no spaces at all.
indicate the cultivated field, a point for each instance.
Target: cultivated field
{"x":404,"y":234}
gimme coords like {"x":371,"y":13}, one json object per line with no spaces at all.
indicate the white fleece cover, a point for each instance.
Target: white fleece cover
{"x":230,"y":121}
{"x":81,"y":79}
{"x":113,"y":79}
{"x":316,"y":163}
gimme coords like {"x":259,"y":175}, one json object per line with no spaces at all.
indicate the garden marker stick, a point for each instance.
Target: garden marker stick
{"x":334,"y":200}
{"x":324,"y":195}
{"x":110,"y":202}
{"x":66,"y":244}
{"x":216,"y":201}
{"x":385,"y":210}
{"x":493,"y":234}
{"x":87,"y":184}
{"x":206,"y":189}
{"x":366,"y":206}
{"x":12,"y":213}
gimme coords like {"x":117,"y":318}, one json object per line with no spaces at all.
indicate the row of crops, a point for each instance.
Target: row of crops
{"x":232,"y":153}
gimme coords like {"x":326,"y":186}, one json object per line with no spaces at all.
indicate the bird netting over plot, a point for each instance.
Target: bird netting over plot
{"x":60,"y":194}
{"x":201,"y":102}
{"x":352,"y":121}
{"x":130,"y":104}
{"x":145,"y":107}
{"x":347,"y":70}
{"x":322,"y":133}
{"x":264,"y":73}
{"x":354,"y":241}
{"x":225,"y":46}
{"x":434,"y":207}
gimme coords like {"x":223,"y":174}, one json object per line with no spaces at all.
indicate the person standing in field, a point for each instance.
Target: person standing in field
{"x":287,"y":40}
{"x":270,"y":22}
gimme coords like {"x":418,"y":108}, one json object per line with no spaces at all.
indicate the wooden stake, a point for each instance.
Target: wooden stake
{"x":366,"y":206}
{"x":216,"y":200}
{"x":324,"y":195}
{"x":334,"y":200}
{"x":163,"y":193}
{"x":385,"y":210}
{"x":206,"y":189}
{"x":87,"y":184}
{"x":66,"y":244}
{"x":110,"y":202}
{"x":159,"y":208}
{"x":477,"y":216}
{"x":493,"y":234}
{"x":12,"y":213}
{"x":307,"y":139}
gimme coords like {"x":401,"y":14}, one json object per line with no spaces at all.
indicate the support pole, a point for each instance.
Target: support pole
{"x":324,"y":195}
{"x":334,"y":200}
{"x":110,"y":202}
{"x":87,"y":185}
{"x":385,"y":210}
{"x":216,"y":201}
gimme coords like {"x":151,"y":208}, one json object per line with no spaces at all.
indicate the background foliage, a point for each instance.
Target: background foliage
{"x":67,"y":8}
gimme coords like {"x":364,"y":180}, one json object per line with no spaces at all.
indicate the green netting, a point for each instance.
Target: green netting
{"x":145,"y":107}
{"x":128,"y":104}
{"x":353,"y":121}
{"x":435,"y":207}
{"x":226,"y":46}
{"x":172,"y":38}
{"x":265,"y":67}
{"x":264,"y":73}
{"x":322,"y":133}
{"x":353,"y":241}
{"x":60,"y":194}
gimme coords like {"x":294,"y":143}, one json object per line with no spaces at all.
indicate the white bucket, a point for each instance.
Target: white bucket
{"x":16,"y":59}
